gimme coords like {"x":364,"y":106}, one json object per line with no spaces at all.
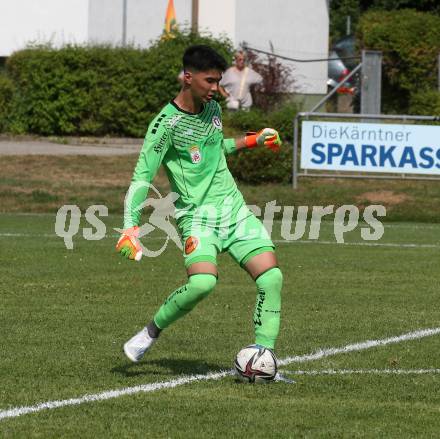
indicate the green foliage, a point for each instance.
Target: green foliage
{"x":390,"y":5}
{"x":244,"y":120}
{"x":262,"y":165}
{"x":281,"y":119}
{"x":97,"y":90}
{"x":341,"y":9}
{"x":79,"y":90}
{"x":425,"y":102}
{"x":6,"y":94}
{"x":410,"y":42}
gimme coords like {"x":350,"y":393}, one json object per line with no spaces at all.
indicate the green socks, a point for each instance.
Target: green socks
{"x":184,"y":299}
{"x":268,"y":307}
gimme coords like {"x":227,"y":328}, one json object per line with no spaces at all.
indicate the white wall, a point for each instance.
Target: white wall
{"x":218,"y":18}
{"x":80,"y":21}
{"x":296,"y":28}
{"x":105,"y":21}
{"x":145,"y":20}
{"x":41,"y":21}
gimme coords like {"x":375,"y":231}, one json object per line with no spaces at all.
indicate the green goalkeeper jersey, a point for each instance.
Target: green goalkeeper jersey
{"x":192,"y":150}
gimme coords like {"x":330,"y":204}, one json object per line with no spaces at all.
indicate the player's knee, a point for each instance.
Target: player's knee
{"x":201,"y":285}
{"x":272,"y":278}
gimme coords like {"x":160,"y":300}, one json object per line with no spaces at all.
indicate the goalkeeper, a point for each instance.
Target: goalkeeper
{"x":187,"y":138}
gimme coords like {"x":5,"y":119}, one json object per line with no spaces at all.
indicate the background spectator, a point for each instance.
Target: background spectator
{"x":236,"y":83}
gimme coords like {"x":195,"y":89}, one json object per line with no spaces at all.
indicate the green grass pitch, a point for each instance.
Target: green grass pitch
{"x":64,"y":315}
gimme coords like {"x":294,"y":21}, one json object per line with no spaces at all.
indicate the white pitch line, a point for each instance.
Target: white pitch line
{"x":110,"y":394}
{"x":360,"y":346}
{"x":20,"y":411}
{"x":363,"y":372}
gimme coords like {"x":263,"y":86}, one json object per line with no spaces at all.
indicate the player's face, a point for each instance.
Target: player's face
{"x":204,"y":85}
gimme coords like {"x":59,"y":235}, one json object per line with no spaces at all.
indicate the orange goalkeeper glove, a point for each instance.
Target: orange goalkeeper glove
{"x":128,"y":244}
{"x":267,"y":137}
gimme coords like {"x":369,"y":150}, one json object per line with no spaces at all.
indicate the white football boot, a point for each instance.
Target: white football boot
{"x":136,"y":347}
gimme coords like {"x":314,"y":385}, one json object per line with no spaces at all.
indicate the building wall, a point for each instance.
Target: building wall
{"x":145,"y":20}
{"x":41,"y":21}
{"x":219,"y":20}
{"x":105,"y":22}
{"x":297,"y":29}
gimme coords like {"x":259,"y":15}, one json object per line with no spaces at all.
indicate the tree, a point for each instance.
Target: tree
{"x":341,"y":9}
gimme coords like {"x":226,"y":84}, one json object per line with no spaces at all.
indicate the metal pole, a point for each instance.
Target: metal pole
{"x":371,"y":86}
{"x":195,"y":16}
{"x":124,"y":22}
{"x":403,"y":117}
{"x":295,"y":152}
{"x":348,"y":31}
{"x":327,"y":97}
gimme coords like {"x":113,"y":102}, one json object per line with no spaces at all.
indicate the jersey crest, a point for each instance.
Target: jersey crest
{"x":195,"y":154}
{"x":217,"y":122}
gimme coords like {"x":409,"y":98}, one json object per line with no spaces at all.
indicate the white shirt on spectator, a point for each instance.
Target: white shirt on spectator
{"x":237,"y":84}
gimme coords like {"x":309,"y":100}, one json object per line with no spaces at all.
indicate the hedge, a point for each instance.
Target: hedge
{"x":280,"y":118}
{"x":6,"y":95}
{"x":410,"y":42}
{"x":425,"y":103}
{"x":101,"y":90}
{"x":261,"y":165}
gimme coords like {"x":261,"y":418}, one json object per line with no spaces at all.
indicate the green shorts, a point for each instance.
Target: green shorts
{"x":242,"y":241}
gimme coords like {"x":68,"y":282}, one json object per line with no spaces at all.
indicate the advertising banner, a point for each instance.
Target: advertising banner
{"x":370,"y":147}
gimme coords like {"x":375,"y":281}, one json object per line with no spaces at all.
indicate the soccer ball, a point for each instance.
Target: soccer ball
{"x":256,"y":364}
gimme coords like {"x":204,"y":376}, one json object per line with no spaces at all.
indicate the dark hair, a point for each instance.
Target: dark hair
{"x":201,"y":58}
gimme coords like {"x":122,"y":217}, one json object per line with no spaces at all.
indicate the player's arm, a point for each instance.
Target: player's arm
{"x":156,"y":144}
{"x":267,"y":137}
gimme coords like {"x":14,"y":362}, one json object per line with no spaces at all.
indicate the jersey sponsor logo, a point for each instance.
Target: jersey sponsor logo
{"x":217,"y":122}
{"x":178,"y":291}
{"x":196,"y":156}
{"x":174,"y":120}
{"x":259,"y":307}
{"x":159,"y":147}
{"x":191,"y":244}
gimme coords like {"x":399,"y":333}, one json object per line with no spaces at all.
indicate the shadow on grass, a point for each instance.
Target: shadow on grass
{"x":166,"y":366}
